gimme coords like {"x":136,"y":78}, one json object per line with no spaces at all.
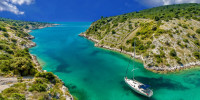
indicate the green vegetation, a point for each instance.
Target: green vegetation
{"x":198,"y":31}
{"x":15,"y":92}
{"x":16,"y":61}
{"x":47,"y":75}
{"x":165,"y":34}
{"x":197,"y":42}
{"x":17,"y":96}
{"x":3,"y":29}
{"x":173,"y":53}
{"x":6,"y":34}
{"x":197,"y":55}
{"x":38,"y":86}
{"x":186,"y":40}
{"x":113,"y":32}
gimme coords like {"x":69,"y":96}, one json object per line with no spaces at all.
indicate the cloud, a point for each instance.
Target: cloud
{"x":154,"y":3}
{"x":11,"y":5}
{"x":20,"y":2}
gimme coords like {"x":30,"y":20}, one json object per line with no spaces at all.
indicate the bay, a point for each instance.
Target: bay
{"x":93,"y":73}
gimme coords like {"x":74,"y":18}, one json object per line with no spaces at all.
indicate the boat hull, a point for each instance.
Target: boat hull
{"x":144,"y":94}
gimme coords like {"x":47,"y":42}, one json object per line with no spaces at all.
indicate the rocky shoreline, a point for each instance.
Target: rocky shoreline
{"x":39,"y":68}
{"x":64,"y":88}
{"x":155,"y":69}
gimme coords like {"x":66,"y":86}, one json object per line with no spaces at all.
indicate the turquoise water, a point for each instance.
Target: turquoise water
{"x":93,"y":73}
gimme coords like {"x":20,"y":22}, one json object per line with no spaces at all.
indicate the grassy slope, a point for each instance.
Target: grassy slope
{"x":165,"y":36}
{"x":16,"y":61}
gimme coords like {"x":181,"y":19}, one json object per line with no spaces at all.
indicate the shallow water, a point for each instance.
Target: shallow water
{"x":93,"y":73}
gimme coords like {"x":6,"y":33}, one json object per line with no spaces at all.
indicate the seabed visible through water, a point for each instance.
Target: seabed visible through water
{"x":93,"y":73}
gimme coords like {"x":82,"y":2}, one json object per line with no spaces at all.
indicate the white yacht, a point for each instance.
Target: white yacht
{"x":138,"y":86}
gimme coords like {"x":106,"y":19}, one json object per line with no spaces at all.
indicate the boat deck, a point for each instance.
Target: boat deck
{"x":134,"y":84}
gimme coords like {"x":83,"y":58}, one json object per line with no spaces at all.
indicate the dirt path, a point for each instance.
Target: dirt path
{"x":7,"y":82}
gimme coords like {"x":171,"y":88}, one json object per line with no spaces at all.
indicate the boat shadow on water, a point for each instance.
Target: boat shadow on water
{"x":161,"y":83}
{"x":156,"y":84}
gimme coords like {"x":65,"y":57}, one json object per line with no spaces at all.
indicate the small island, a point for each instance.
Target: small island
{"x":167,"y":37}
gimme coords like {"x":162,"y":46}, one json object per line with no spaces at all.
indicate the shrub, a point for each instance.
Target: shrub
{"x":22,"y":53}
{"x":6,"y":34}
{"x":38,"y":87}
{"x":5,"y":66}
{"x":20,"y":86}
{"x":116,"y":24}
{"x":179,"y":42}
{"x":137,"y":33}
{"x":6,"y":49}
{"x":47,"y":75}
{"x":41,"y":81}
{"x":185,"y":26}
{"x":156,"y":18}
{"x":178,"y":60}
{"x":149,"y":43}
{"x":197,"y":42}
{"x":167,"y":43}
{"x":173,"y":53}
{"x":22,"y":66}
{"x":154,"y":28}
{"x":186,"y":45}
{"x":177,"y":31}
{"x":136,"y":24}
{"x":146,"y":55}
{"x":113,"y":32}
{"x":26,"y":27}
{"x":3,"y":29}
{"x":168,"y":65}
{"x":158,"y":58}
{"x":149,"y":65}
{"x":161,"y":31}
{"x":185,"y":40}
{"x":162,"y":53}
{"x":8,"y":92}
{"x":170,"y":34}
{"x":5,"y":57}
{"x":196,"y":55}
{"x":141,"y":47}
{"x":193,"y":35}
{"x":13,"y":40}
{"x":17,"y":96}
{"x":13,"y":27}
{"x":19,"y":79}
{"x":198,"y":31}
{"x":130,"y":26}
{"x":1,"y":97}
{"x":153,"y":46}
{"x":23,"y":43}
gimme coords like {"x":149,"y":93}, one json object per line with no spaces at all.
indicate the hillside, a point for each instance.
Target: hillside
{"x":21,"y":76}
{"x":167,"y":37}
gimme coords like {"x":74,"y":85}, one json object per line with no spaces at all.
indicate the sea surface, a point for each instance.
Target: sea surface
{"x":93,"y":73}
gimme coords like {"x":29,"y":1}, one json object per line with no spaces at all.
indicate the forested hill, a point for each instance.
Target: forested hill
{"x":167,"y":37}
{"x":14,"y":43}
{"x":21,"y":77}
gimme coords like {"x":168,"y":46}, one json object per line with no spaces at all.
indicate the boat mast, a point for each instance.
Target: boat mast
{"x":133,"y":58}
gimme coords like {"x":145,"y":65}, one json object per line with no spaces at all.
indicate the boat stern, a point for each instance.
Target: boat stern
{"x":150,"y":94}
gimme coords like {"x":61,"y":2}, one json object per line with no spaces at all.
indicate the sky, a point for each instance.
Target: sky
{"x":75,"y":10}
